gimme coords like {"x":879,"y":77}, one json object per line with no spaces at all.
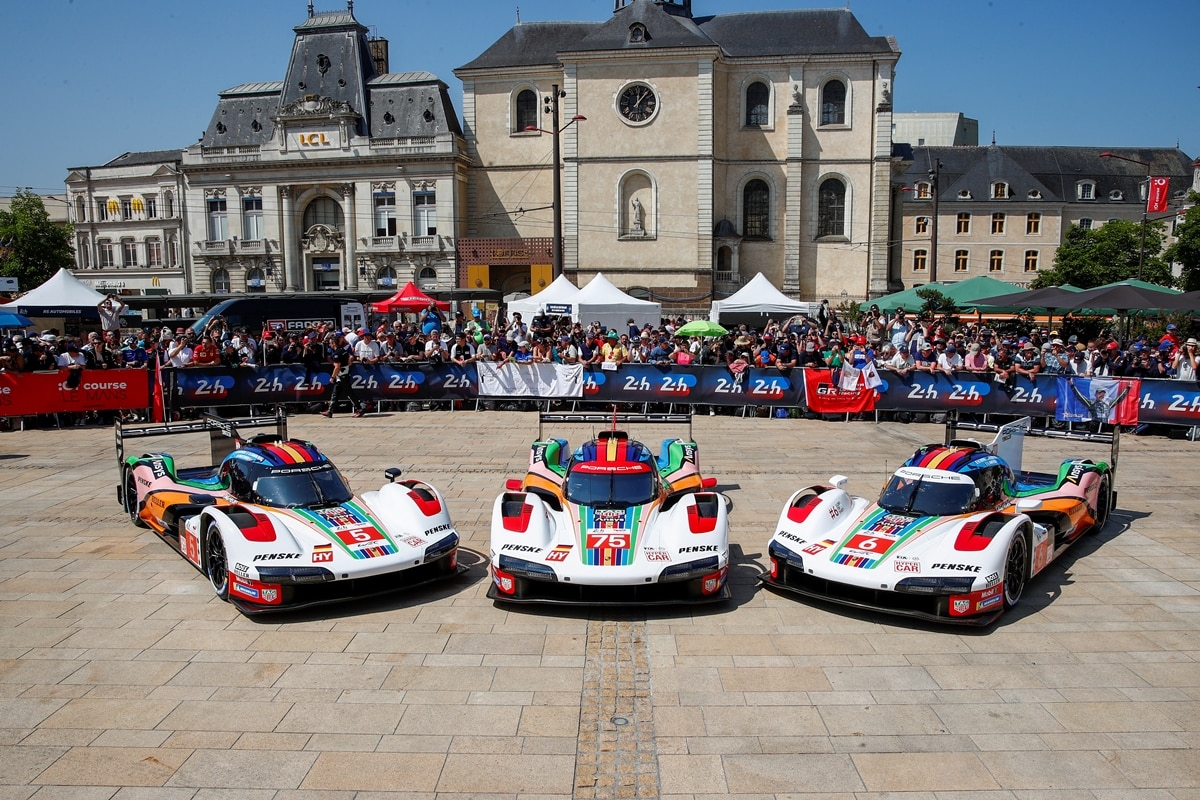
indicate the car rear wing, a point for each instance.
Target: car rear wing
{"x":614,"y":419}
{"x":224,"y":434}
{"x":1010,"y":436}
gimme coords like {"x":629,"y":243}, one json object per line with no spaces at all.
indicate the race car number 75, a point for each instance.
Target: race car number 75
{"x":610,"y":541}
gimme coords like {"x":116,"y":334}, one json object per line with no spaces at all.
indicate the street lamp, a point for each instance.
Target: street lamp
{"x":551,"y":108}
{"x":1142,"y":251}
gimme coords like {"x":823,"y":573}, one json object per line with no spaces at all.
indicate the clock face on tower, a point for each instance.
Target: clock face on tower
{"x":637,"y":102}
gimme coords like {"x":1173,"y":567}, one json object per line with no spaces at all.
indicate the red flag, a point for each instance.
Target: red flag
{"x":1126,"y":410}
{"x":159,"y":410}
{"x":826,"y":397}
{"x":1156,"y":198}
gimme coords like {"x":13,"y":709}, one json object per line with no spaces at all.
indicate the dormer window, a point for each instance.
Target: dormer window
{"x":638,"y":33}
{"x":999,"y":190}
{"x":1034,"y":194}
{"x":924,"y":191}
{"x":1085,"y":190}
{"x":1116,"y":194}
{"x":964,"y":195}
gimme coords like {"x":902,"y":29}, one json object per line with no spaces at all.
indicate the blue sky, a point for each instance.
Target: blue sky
{"x":91,"y":79}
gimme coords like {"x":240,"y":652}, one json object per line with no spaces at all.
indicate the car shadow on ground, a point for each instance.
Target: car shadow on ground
{"x":472,"y":569}
{"x":1040,"y":593}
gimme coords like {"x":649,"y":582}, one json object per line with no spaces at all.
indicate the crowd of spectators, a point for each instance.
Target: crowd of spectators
{"x":900,"y":342}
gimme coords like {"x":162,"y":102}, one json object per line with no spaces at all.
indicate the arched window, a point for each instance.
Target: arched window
{"x":526,"y":115}
{"x":756,"y":210}
{"x":833,"y":103}
{"x":255,"y":281}
{"x":220,"y":281}
{"x":758,"y":105}
{"x":324,"y":211}
{"x":831,"y":208}
{"x":427,"y":277}
{"x":80,"y":209}
{"x":386,"y":277}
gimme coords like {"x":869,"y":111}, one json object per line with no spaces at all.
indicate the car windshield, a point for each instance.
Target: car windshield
{"x":610,"y":489}
{"x":921,"y":497}
{"x":308,"y":487}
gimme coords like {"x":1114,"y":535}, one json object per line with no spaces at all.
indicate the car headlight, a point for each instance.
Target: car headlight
{"x":441,"y":547}
{"x":689,"y":570}
{"x":781,"y":553}
{"x":952,"y":585}
{"x":521,"y":568}
{"x":294,"y":574}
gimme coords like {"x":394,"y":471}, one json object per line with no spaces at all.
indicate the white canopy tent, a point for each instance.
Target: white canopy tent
{"x":63,"y":295}
{"x":559,"y":293}
{"x":758,"y":298}
{"x":601,"y":301}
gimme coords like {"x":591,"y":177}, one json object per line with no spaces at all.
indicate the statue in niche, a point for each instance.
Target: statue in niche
{"x":637,"y":218}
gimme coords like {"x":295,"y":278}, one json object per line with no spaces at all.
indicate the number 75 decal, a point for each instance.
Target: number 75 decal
{"x":608,"y":541}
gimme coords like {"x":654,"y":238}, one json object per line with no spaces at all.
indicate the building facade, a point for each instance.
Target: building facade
{"x":696,"y":151}
{"x":935,"y":129}
{"x":1002,"y":211}
{"x":129,"y":219}
{"x":343,"y":176}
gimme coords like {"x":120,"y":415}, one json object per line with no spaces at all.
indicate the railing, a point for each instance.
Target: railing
{"x":230,"y":155}
{"x":252,"y":246}
{"x":382,"y":243}
{"x":425,"y":244}
{"x":213,"y":247}
{"x":410,"y":144}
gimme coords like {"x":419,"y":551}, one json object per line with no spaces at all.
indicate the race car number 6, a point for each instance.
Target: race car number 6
{"x":866,"y":544}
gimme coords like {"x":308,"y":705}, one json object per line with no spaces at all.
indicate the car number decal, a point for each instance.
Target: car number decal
{"x":608,"y":535}
{"x":879,"y":534}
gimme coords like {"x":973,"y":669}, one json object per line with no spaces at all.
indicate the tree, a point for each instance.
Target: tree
{"x":1093,"y":257}
{"x":1185,"y":251}
{"x":32,"y":248}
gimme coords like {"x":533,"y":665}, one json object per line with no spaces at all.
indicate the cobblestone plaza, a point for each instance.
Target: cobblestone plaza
{"x":122,"y":676}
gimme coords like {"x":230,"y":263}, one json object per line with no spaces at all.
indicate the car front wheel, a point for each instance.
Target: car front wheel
{"x":130,"y":499}
{"x":216,"y":562}
{"x":1016,"y":569}
{"x":1103,"y":502}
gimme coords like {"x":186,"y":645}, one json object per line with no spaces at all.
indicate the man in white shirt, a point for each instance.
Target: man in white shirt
{"x":179,"y":352}
{"x":949,"y":360}
{"x":901,"y":362}
{"x":366,"y":349}
{"x":111,"y":308}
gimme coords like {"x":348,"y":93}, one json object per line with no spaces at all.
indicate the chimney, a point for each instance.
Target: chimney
{"x":379,"y":55}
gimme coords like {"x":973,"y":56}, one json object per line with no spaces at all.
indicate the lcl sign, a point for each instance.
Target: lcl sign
{"x":313,"y":140}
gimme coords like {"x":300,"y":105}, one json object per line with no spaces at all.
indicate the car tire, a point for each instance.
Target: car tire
{"x":1016,"y":569}
{"x":216,"y":561}
{"x":129,"y":498}
{"x":1104,"y":500}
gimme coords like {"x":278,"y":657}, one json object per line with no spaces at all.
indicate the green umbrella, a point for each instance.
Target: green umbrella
{"x":700,"y":327}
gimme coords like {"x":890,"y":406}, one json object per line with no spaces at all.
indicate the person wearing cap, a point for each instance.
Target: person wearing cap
{"x":1171,"y":335}
{"x":366,"y":349}
{"x":341,"y":356}
{"x":462,"y":352}
{"x":613,"y":352}
{"x":523,"y":354}
{"x":565,"y":350}
{"x":1054,"y":358}
{"x":432,"y":319}
{"x":1027,"y":361}
{"x":1081,"y":361}
{"x":977,"y":360}
{"x":949,"y":361}
{"x":926,"y":358}
{"x":899,"y":361}
{"x":1186,"y":362}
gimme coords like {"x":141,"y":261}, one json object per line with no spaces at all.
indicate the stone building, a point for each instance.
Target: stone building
{"x":1003,"y":210}
{"x":697,"y":151}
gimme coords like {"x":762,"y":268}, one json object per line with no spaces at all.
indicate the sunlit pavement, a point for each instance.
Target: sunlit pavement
{"x":122,"y":676}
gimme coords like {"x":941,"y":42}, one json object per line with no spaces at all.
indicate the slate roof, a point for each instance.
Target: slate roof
{"x":331,"y":58}
{"x":146,"y":157}
{"x":1052,"y":171}
{"x":740,"y":35}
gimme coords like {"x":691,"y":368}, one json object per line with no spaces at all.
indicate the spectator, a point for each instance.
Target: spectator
{"x":523,"y":355}
{"x":1054,"y":359}
{"x":179,"y":352}
{"x":462,"y":352}
{"x":977,"y":360}
{"x":206,"y":353}
{"x":926,"y":359}
{"x":949,"y":360}
{"x":1186,"y":362}
{"x":900,"y":361}
{"x":432,"y":319}
{"x":367,"y":350}
{"x":613,"y":351}
{"x":1027,"y":361}
{"x":272,"y":352}
{"x":110,"y":309}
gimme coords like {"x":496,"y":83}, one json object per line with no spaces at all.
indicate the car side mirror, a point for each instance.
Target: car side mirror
{"x":839,"y":481}
{"x":708,"y":483}
{"x":391,"y":473}
{"x":1026,"y":504}
{"x":513,"y":485}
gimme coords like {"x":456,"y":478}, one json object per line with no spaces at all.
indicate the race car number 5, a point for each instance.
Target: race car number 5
{"x":358,"y":535}
{"x":610,"y":541}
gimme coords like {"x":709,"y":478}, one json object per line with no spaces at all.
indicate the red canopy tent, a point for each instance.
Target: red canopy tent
{"x":410,"y":299}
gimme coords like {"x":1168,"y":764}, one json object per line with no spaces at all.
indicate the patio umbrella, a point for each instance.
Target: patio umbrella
{"x":1123,"y":296}
{"x":700,"y":327}
{"x":11,"y":319}
{"x":1048,"y":298}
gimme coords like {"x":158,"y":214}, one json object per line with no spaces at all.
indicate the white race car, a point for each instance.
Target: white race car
{"x":275,"y":526}
{"x":610,"y":523}
{"x":956,"y":535}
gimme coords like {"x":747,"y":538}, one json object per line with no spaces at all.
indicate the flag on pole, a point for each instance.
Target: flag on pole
{"x":1156,"y":198}
{"x":159,"y":409}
